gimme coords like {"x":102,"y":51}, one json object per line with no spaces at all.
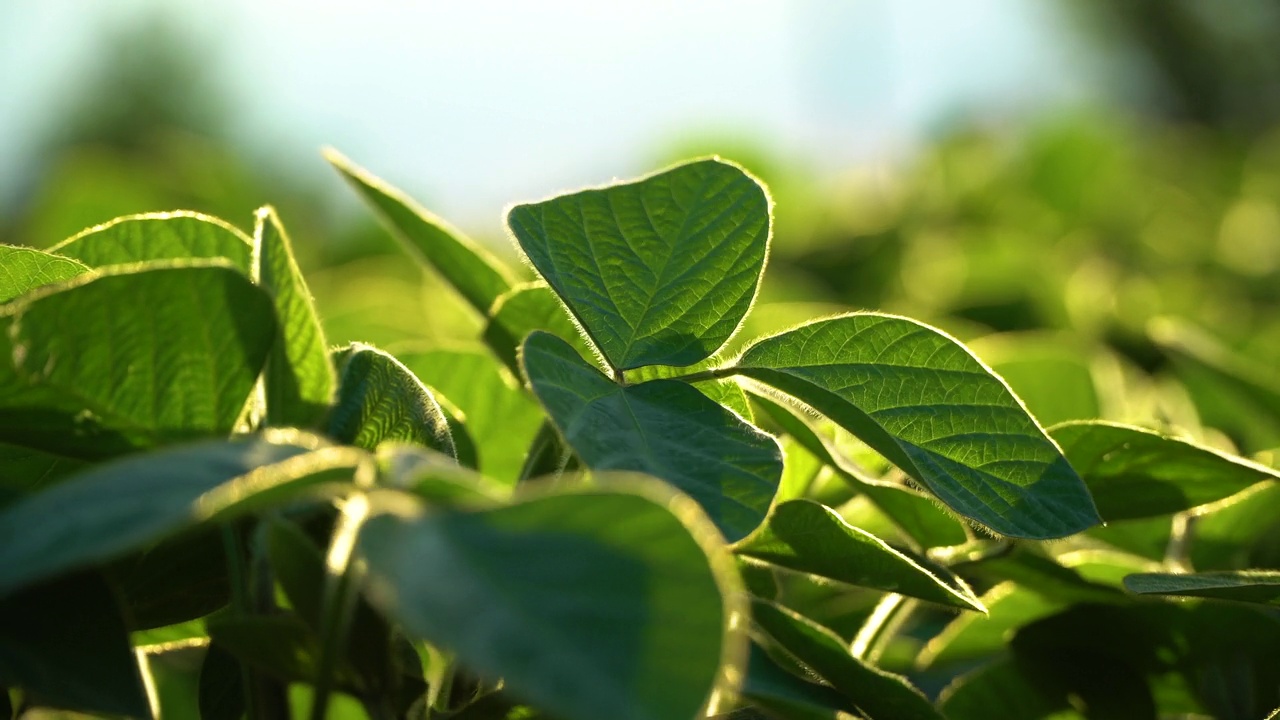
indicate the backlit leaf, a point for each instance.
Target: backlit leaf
{"x":25,"y":269}
{"x":1253,"y":586}
{"x":158,"y":236}
{"x":380,"y":400}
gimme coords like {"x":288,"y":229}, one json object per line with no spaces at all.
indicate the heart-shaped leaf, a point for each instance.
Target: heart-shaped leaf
{"x":663,"y":428}
{"x":660,"y":271}
{"x":919,"y":398}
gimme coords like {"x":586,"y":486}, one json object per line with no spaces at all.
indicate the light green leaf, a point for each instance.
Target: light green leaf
{"x":806,"y":536}
{"x":660,"y":271}
{"x":877,"y":694}
{"x":132,"y":358}
{"x":589,"y":603}
{"x":470,"y":269}
{"x":971,"y":636}
{"x":299,"y":378}
{"x":158,"y":236}
{"x":529,"y":307}
{"x":918,"y":397}
{"x":499,"y":415}
{"x":435,"y":477}
{"x":25,"y":269}
{"x":380,"y":400}
{"x":122,"y":505}
{"x":1052,"y":375}
{"x":915,"y":514}
{"x":664,"y":428}
{"x":1252,"y":586}
{"x":1243,"y":534}
{"x":1133,"y":473}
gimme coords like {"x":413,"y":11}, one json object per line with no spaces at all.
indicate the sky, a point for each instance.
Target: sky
{"x":475,"y":105}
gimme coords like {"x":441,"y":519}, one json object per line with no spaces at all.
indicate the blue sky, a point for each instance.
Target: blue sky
{"x":477,"y":104}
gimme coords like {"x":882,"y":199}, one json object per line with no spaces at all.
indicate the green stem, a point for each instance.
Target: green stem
{"x":340,"y":594}
{"x":238,"y":578}
{"x":701,"y":375}
{"x":884,"y":623}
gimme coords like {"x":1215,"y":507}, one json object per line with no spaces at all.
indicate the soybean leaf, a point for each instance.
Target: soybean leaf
{"x":971,"y":636}
{"x":1035,"y":571}
{"x":525,"y":308}
{"x":1243,"y":534}
{"x":299,"y":379}
{"x":1051,"y":374}
{"x":498,"y":414}
{"x":25,"y":269}
{"x":1252,"y":586}
{"x":435,"y":477}
{"x":1135,"y":473}
{"x":919,"y":398}
{"x":380,"y":400}
{"x":725,"y":391}
{"x":877,"y":694}
{"x":470,"y":269}
{"x":770,"y":686}
{"x":65,"y":644}
{"x":24,"y":470}
{"x":589,"y":603}
{"x":281,"y":645}
{"x":130,"y":359}
{"x":158,"y":236}
{"x":1004,"y":690}
{"x":464,"y":446}
{"x":122,"y":505}
{"x":174,"y":581}
{"x":917,"y":515}
{"x":660,"y":271}
{"x":664,"y":428}
{"x":221,"y":694}
{"x":809,"y":537}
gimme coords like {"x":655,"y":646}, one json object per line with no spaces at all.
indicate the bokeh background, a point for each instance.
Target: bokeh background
{"x":1087,"y":190}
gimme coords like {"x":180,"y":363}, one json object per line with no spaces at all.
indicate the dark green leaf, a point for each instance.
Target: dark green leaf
{"x":660,"y":271}
{"x":158,"y":236}
{"x":221,"y":693}
{"x":919,"y":398}
{"x":119,"y":361}
{"x":1135,"y":473}
{"x":1252,"y":586}
{"x":175,"y":581}
{"x":877,"y":694}
{"x":664,"y":428}
{"x":499,"y":415}
{"x":971,"y":636}
{"x":808,"y":537}
{"x":1003,"y":690}
{"x":1032,"y":569}
{"x":25,"y":269}
{"x":123,"y":505}
{"x":299,"y":378}
{"x":380,"y":400}
{"x":528,"y":307}
{"x":772,"y":687}
{"x":24,"y":471}
{"x":64,"y":643}
{"x":725,"y":391}
{"x":469,"y":268}
{"x":282,"y":646}
{"x":590,"y":603}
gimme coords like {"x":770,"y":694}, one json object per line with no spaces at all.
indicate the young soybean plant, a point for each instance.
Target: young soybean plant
{"x":189,"y":469}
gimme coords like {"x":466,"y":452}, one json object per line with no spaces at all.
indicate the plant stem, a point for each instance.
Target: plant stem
{"x":238,"y":578}
{"x":712,"y":374}
{"x":339,"y":599}
{"x":885,"y":621}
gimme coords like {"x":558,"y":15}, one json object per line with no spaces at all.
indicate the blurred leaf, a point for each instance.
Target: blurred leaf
{"x":1036,"y":571}
{"x":659,"y":271}
{"x":877,"y":694}
{"x":435,"y":477}
{"x":591,"y":603}
{"x":971,"y":636}
{"x":24,"y":269}
{"x":1136,"y":473}
{"x":24,"y":471}
{"x":282,"y":646}
{"x":174,"y":581}
{"x":525,"y":308}
{"x":123,"y":505}
{"x":664,"y":428}
{"x":380,"y":400}
{"x":1252,"y":586}
{"x":805,"y":536}
{"x":158,"y":236}
{"x":920,"y":399}
{"x":1243,"y":534}
{"x":80,"y":376}
{"x":469,"y":268}
{"x":1049,"y":374}
{"x":299,"y":378}
{"x":221,"y":693}
{"x":1001,"y":690}
{"x":772,"y":687}
{"x":64,"y":643}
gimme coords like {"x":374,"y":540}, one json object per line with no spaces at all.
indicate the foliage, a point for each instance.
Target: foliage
{"x":616,"y":502}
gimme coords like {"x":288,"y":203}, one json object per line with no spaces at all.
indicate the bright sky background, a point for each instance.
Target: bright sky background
{"x":473,"y":105}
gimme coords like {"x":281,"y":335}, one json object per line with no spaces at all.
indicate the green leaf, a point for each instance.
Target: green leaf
{"x":65,"y":644}
{"x":221,"y":694}
{"x":282,"y":646}
{"x":119,"y":506}
{"x":1251,"y":586}
{"x":529,"y":307}
{"x":660,"y":271}
{"x":499,"y":415}
{"x":470,"y":269}
{"x":806,"y":536}
{"x":1243,"y":534}
{"x":25,"y":269}
{"x":917,"y":515}
{"x":972,"y":637}
{"x":174,"y":581}
{"x":1136,"y":473}
{"x":158,"y":236}
{"x":1003,"y":690}
{"x":877,"y":694}
{"x":435,"y":477}
{"x":770,"y":686}
{"x":1051,"y":374}
{"x":130,"y":359}
{"x":664,"y":428}
{"x":725,"y":391}
{"x":299,"y":378}
{"x":24,"y":471}
{"x":380,"y":400}
{"x":919,"y":398}
{"x":589,"y":603}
